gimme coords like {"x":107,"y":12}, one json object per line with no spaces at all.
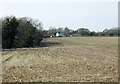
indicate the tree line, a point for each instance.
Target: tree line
{"x":28,"y":32}
{"x":81,"y":32}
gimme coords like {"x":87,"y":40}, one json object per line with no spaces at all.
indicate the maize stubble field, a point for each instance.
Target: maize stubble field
{"x":63,"y":59}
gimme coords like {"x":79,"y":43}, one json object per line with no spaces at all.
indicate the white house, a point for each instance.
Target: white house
{"x":57,"y":34}
{"x":51,"y":36}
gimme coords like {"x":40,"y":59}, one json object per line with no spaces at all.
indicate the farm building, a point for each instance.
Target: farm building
{"x":57,"y":34}
{"x":60,"y":35}
{"x":52,"y":35}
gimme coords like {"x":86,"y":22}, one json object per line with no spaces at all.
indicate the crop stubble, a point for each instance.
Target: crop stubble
{"x":81,"y":59}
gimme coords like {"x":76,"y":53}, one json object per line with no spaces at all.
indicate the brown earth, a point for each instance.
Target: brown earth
{"x":65,"y":59}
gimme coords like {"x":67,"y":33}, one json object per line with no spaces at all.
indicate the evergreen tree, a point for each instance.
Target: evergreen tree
{"x":9,"y":30}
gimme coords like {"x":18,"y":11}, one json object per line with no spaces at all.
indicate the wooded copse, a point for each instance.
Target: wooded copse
{"x":28,"y":32}
{"x":21,"y":32}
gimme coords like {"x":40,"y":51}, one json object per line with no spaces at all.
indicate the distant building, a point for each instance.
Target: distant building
{"x":51,"y":36}
{"x":57,"y":34}
{"x":60,"y":35}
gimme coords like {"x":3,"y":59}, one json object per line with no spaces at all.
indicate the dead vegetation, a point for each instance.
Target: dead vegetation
{"x":74,"y":59}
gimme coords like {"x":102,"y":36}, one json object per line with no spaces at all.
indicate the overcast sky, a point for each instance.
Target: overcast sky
{"x":96,"y":15}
